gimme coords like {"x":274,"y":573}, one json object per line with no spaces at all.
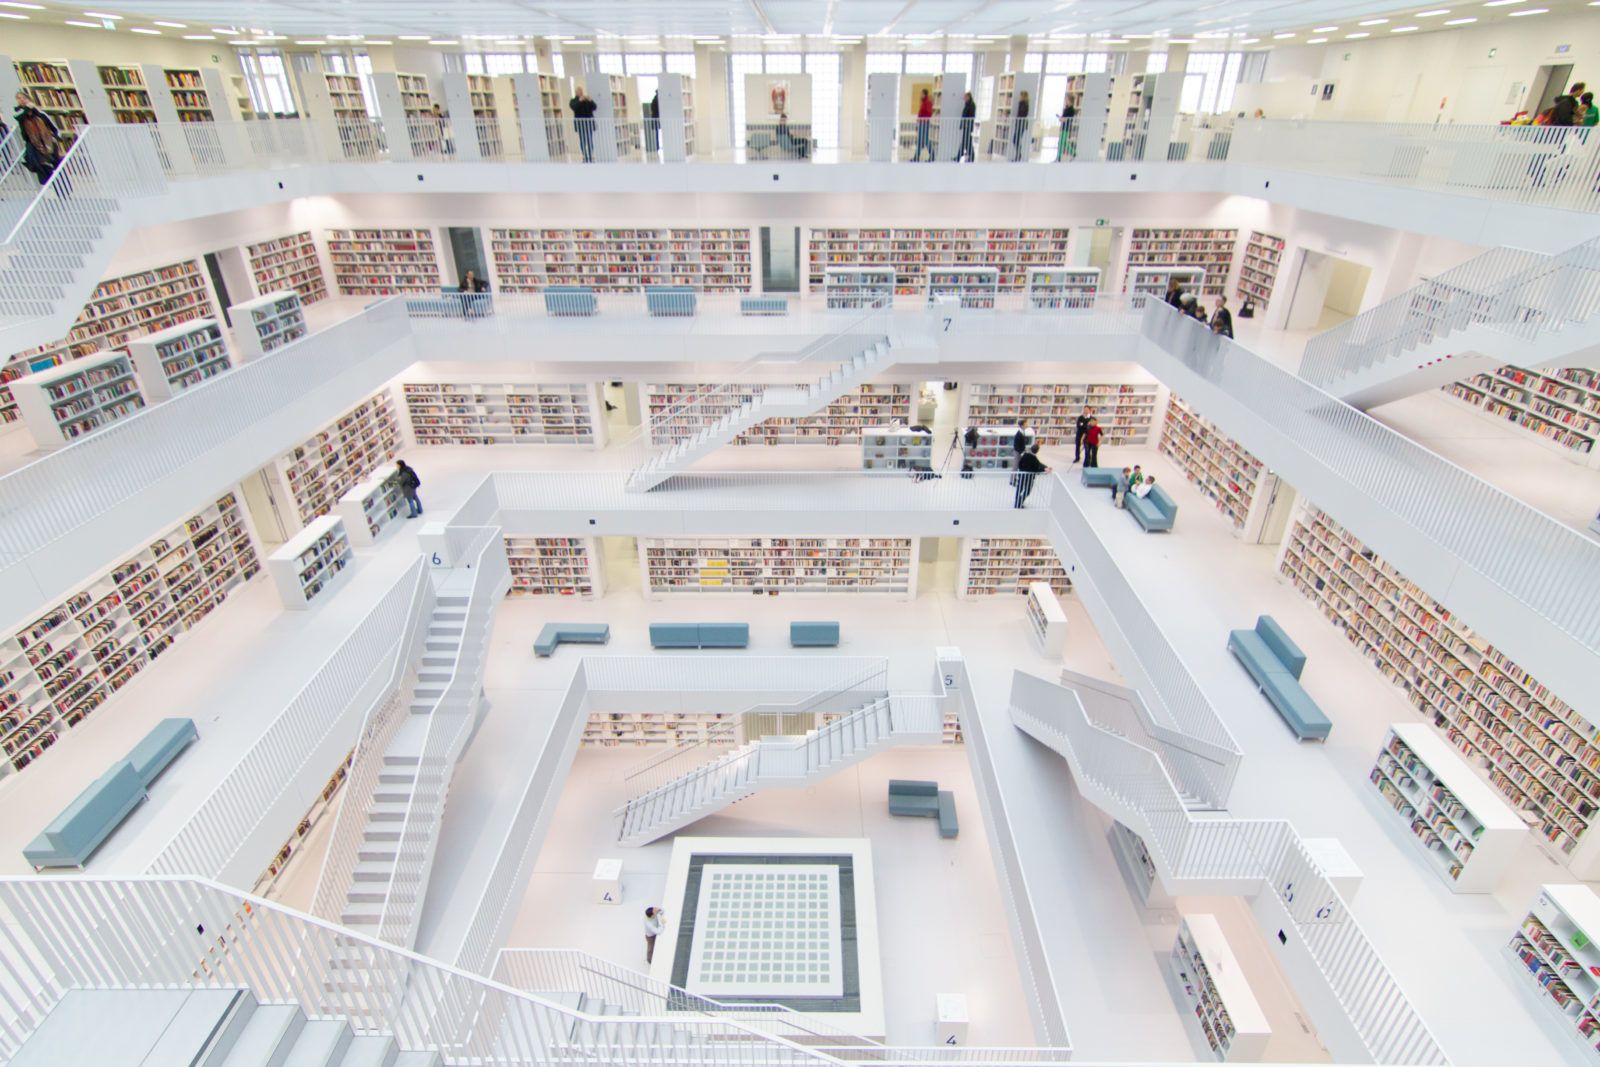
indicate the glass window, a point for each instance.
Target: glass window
{"x":266,"y":79}
{"x":1098,"y":63}
{"x":368,"y":97}
{"x":784,"y":63}
{"x":1032,"y":63}
{"x":1155,"y":63}
{"x":985,"y":95}
{"x":959,"y":63}
{"x":824,"y":70}
{"x":924,"y":63}
{"x":1217,"y":70}
{"x":740,"y":64}
{"x":883,"y":62}
{"x":609,"y":62}
{"x":1230,"y":81}
{"x":504,"y":63}
{"x":683,"y":63}
{"x":558,"y":63}
{"x":637,"y":63}
{"x":1193,"y":86}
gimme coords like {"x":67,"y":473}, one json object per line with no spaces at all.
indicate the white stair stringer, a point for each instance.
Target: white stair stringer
{"x":775,"y":402}
{"x":51,"y":271}
{"x":777,"y":762}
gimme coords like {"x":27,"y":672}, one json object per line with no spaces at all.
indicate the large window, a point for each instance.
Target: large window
{"x":267,"y":81}
{"x":1209,"y":81}
{"x":824,"y":70}
{"x":1057,"y":67}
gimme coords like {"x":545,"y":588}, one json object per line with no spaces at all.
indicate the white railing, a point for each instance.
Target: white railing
{"x":449,"y":725}
{"x":361,"y":780}
{"x":1267,"y":855}
{"x":1518,"y":293}
{"x":237,"y":815}
{"x":1533,"y":560}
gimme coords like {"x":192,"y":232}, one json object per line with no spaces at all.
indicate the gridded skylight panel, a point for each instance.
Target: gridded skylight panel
{"x":796,"y":16}
{"x":767,"y":929}
{"x":865,"y":16}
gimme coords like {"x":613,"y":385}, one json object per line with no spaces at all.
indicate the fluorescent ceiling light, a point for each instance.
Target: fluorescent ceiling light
{"x":198,"y":37}
{"x":1501,"y":3}
{"x":174,"y":25}
{"x":141,"y":29}
{"x":1356,"y":36}
{"x":444,"y":42}
{"x":311,"y":42}
{"x":1459,"y":22}
{"x":1528,"y":11}
{"x":14,"y":15}
{"x":1249,"y":40}
{"x":1373,"y":22}
{"x":1323,"y":29}
{"x":413,"y":37}
{"x":85,"y":25}
{"x":19,"y":3}
{"x":1431,"y":14}
{"x":271,"y":37}
{"x":344,"y":36}
{"x":226,"y":31}
{"x":1405,"y":29}
{"x":384,"y":43}
{"x":1317,"y":40}
{"x":103,"y":15}
{"x":1282,"y":36}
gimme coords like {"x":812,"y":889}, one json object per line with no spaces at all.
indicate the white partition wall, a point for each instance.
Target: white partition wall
{"x":1159,"y":106}
{"x":525,"y":89}
{"x":676,"y":117}
{"x":883,"y":121}
{"x":392,"y":110}
{"x":1092,"y":112}
{"x":91,"y":93}
{"x":947,"y":114}
{"x":8,"y":82}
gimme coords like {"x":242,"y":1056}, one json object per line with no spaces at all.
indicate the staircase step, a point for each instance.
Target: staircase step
{"x":367,"y":893}
{"x":382,"y":811}
{"x":322,"y":1043}
{"x":417,"y":1059}
{"x":397,"y":775}
{"x":378,"y":852}
{"x":371,"y":1052}
{"x":370,"y":871}
{"x":400,"y":759}
{"x":266,"y":1039}
{"x":361,"y":913}
{"x":387,"y":834}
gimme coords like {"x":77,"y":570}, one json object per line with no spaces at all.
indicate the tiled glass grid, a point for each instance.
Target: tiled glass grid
{"x":762,"y":929}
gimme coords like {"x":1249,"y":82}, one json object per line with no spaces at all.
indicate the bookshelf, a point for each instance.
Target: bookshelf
{"x":288,"y":262}
{"x":1540,"y":754}
{"x":857,"y":288}
{"x":63,"y":403}
{"x":711,"y":259}
{"x":840,"y":423}
{"x":1006,"y":566}
{"x":169,"y":361}
{"x":1236,"y":481}
{"x":857,"y":566}
{"x":383,"y":262}
{"x":404,"y":103}
{"x":1063,"y":288}
{"x":49,"y":83}
{"x":63,"y":665}
{"x":313,"y":815}
{"x":327,"y":465}
{"x":911,"y":252}
{"x":1467,"y":832}
{"x":119,"y":310}
{"x":486,"y":114}
{"x":1146,"y":284}
{"x":504,"y":413}
{"x":555,"y":566}
{"x":1210,"y":250}
{"x":1561,"y":409}
{"x":676,"y":117}
{"x":304,"y":567}
{"x":1047,"y":623}
{"x":371,"y":507}
{"x":639,"y":729}
{"x":126,"y":94}
{"x":1555,"y":949}
{"x":191,"y":98}
{"x":993,"y":451}
{"x":1258,"y":270}
{"x":267,"y":323}
{"x":1008,"y":90}
{"x":335,"y":102}
{"x":970,"y":287}
{"x":1212,"y":989}
{"x":1137,"y":867}
{"x":1126,"y":411}
{"x":896,"y":448}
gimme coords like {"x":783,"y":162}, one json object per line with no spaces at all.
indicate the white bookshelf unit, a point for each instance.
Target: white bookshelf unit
{"x":1046,"y":621}
{"x":896,"y":448}
{"x":1561,"y":409}
{"x":842,"y":422}
{"x":267,"y":323}
{"x":643,"y":729}
{"x":1212,"y":989}
{"x":504,"y":413}
{"x":169,"y":361}
{"x":50,"y":84}
{"x":1210,"y":250}
{"x":57,"y":669}
{"x":973,"y":288}
{"x":383,"y":262}
{"x":911,"y":252}
{"x":334,"y":102}
{"x":1469,"y":834}
{"x":1063,"y":288}
{"x":675,"y":98}
{"x":1126,"y":410}
{"x":1556,"y":950}
{"x":1542,"y":756}
{"x":1235,"y":480}
{"x":856,"y":566}
{"x":1008,"y":90}
{"x":858,"y":288}
{"x":1007,"y":566}
{"x":371,"y":507}
{"x":124,"y":90}
{"x":555,"y":566}
{"x":327,"y":465}
{"x":120,"y":310}
{"x":304,"y":566}
{"x":712,"y":259}
{"x":288,"y":262}
{"x":404,"y":103}
{"x":64,"y":403}
{"x":1258,"y":270}
{"x":1146,"y":284}
{"x":191,"y":98}
{"x":993,"y":450}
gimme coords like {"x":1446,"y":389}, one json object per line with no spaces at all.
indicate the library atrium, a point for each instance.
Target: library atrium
{"x":597,"y":533}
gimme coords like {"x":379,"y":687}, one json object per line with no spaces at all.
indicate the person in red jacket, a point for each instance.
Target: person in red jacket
{"x":924,"y":125}
{"x":1091,"y":444}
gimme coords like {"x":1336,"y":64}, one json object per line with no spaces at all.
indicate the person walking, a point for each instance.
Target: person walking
{"x":653,"y":923}
{"x":1222,"y":319}
{"x":1079,"y":428}
{"x":442,"y":130}
{"x":409,"y":484}
{"x":924,"y":124}
{"x":1020,"y":141}
{"x":1029,"y":467}
{"x":583,"y":110}
{"x":42,"y":151}
{"x":1066,"y":145}
{"x":652,"y":123}
{"x":969,"y":116}
{"x":1091,"y":444}
{"x":1023,"y":438}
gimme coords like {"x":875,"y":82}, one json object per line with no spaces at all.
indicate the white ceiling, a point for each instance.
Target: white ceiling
{"x":588,"y":18}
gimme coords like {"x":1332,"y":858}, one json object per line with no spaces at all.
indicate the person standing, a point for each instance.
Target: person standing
{"x":409,"y":484}
{"x":924,"y":123}
{"x":583,"y":110}
{"x":652,"y":123}
{"x":470,"y":284}
{"x":1023,"y":438}
{"x":652,"y":929}
{"x":1590,"y":115}
{"x":969,"y":116}
{"x":1029,"y":467}
{"x":1091,"y":444}
{"x":1020,"y":141}
{"x":1174,"y":297}
{"x":1066,"y":146}
{"x":1078,"y":429}
{"x":1222,"y":319}
{"x":41,"y":141}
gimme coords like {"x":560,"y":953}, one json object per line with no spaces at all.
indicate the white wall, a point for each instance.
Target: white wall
{"x":757,"y":108}
{"x":25,"y":41}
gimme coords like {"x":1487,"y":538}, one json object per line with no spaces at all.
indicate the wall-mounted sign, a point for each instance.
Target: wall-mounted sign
{"x":1563,"y":49}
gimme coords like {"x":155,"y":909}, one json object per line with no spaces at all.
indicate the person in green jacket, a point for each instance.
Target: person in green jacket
{"x":1591,"y":114}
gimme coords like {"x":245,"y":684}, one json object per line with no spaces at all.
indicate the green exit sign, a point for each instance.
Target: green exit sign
{"x":1100,"y":222}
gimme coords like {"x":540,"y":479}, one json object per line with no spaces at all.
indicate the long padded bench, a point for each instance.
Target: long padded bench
{"x":1275,"y":663}
{"x":814,"y":634}
{"x":72,"y":836}
{"x":570,"y":300}
{"x":1156,"y":511}
{"x":1099,"y":477}
{"x":924,"y":800}
{"x":669,"y":300}
{"x":699,"y":634}
{"x":763,"y":305}
{"x":570,"y":633}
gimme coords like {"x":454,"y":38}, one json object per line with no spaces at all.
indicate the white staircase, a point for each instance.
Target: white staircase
{"x":694,"y":430}
{"x":780,"y":762}
{"x":1506,"y":306}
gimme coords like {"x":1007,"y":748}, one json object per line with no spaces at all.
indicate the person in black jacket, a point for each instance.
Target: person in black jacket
{"x":1029,"y":467}
{"x":1019,"y":134}
{"x":1174,"y":297}
{"x":1024,"y":437}
{"x":42,"y":151}
{"x":473,"y":305}
{"x":409,"y":484}
{"x":969,"y":113}
{"x":652,"y":123}
{"x":1222,"y":318}
{"x":1079,"y":428}
{"x":583,"y":110}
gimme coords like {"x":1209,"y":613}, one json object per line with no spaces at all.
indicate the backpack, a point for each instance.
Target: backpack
{"x":409,"y":479}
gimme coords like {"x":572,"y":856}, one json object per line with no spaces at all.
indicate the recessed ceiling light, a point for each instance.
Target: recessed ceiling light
{"x":1373,"y":22}
{"x":311,"y":42}
{"x":1323,"y":29}
{"x":444,"y":42}
{"x":1528,"y":11}
{"x":1459,"y":22}
{"x":1356,"y":36}
{"x":413,"y":37}
{"x":85,"y":25}
{"x":1502,"y":3}
{"x":18,"y":3}
{"x":1247,"y":40}
{"x":198,"y":37}
{"x":103,"y":15}
{"x":226,"y":31}
{"x":1431,"y":14}
{"x":381,"y":42}
{"x":141,"y":29}
{"x":1282,"y":36}
{"x":12,"y":15}
{"x":1405,"y":29}
{"x":1317,"y":40}
{"x":174,"y":25}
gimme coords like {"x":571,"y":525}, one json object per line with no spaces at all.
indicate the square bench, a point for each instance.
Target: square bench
{"x":669,"y":300}
{"x":570,"y":300}
{"x":72,"y":836}
{"x":570,"y":633}
{"x":814,"y":634}
{"x":763,"y":305}
{"x":1099,"y":477}
{"x":1156,"y":511}
{"x":1274,"y":663}
{"x":699,"y":635}
{"x":925,"y":800}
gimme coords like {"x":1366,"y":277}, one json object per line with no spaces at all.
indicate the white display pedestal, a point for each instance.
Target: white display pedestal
{"x":608,"y":882}
{"x":1336,"y":865}
{"x":952,"y":1018}
{"x":1046,"y":621}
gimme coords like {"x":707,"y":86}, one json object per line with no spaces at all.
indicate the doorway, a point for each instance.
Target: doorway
{"x":466,"y":249}
{"x":780,"y":259}
{"x":1097,"y":247}
{"x":270,"y":511}
{"x":1327,"y":291}
{"x":1550,"y":82}
{"x":230,"y":278}
{"x":619,"y":564}
{"x":938,"y":560}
